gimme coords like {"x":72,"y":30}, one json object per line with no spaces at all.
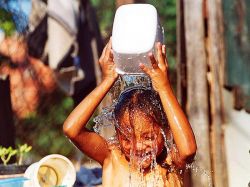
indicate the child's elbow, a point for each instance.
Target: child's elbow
{"x":188,"y":157}
{"x":68,"y":131}
{"x":185,"y":156}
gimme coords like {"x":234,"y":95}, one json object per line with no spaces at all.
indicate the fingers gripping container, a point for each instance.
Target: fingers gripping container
{"x":136,"y":29}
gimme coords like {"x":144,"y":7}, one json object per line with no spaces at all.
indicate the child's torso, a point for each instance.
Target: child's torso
{"x":117,"y":173}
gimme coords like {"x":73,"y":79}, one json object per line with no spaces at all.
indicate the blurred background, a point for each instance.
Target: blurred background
{"x":48,"y":63}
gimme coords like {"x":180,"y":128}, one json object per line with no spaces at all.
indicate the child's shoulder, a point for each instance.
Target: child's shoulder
{"x":116,"y":154}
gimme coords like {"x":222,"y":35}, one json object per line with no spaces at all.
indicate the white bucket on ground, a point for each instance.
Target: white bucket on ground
{"x":136,"y":29}
{"x":52,"y":170}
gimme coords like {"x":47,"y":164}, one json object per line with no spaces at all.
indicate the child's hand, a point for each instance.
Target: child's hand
{"x":159,"y":70}
{"x":107,"y":64}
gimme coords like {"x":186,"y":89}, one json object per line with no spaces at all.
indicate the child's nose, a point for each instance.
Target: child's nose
{"x":140,"y":146}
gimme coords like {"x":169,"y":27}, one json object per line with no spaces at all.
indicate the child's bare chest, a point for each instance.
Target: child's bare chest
{"x":125,"y":178}
{"x":118,"y":173}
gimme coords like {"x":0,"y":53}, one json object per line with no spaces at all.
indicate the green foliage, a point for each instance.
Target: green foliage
{"x":6,"y":22}
{"x":43,"y":129}
{"x":167,"y":13}
{"x":6,"y":154}
{"x":105,"y":11}
{"x":22,"y":149}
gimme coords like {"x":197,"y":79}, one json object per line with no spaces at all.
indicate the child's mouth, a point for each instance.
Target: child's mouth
{"x":145,"y":157}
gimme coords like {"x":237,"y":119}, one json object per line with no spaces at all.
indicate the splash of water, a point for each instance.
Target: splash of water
{"x":106,"y":119}
{"x":168,"y":142}
{"x":128,"y":81}
{"x":196,"y":170}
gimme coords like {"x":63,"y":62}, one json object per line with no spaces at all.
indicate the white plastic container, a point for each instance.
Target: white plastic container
{"x":52,"y":170}
{"x":136,"y":29}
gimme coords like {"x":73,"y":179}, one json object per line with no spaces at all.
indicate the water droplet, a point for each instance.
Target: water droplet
{"x":199,"y":171}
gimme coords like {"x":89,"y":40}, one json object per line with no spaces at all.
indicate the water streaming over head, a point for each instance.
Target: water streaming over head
{"x":106,"y":120}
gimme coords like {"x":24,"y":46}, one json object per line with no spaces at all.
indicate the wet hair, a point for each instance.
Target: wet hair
{"x":143,"y":99}
{"x":147,"y":101}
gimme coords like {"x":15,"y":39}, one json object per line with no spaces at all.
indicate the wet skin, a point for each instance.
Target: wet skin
{"x":140,"y":137}
{"x":116,"y":170}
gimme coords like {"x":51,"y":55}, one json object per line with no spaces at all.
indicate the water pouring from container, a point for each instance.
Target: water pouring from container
{"x":136,"y":29}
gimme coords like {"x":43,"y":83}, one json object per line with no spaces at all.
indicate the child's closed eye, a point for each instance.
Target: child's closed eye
{"x":149,"y":137}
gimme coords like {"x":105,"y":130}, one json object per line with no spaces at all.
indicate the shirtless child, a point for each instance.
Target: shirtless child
{"x":139,"y":129}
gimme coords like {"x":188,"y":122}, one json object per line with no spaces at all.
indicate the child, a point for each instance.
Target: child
{"x":139,"y":129}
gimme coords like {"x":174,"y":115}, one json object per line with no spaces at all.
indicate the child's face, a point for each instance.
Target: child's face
{"x":139,"y":135}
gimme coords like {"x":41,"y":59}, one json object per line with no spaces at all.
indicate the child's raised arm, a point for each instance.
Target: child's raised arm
{"x":180,"y":127}
{"x":88,"y":142}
